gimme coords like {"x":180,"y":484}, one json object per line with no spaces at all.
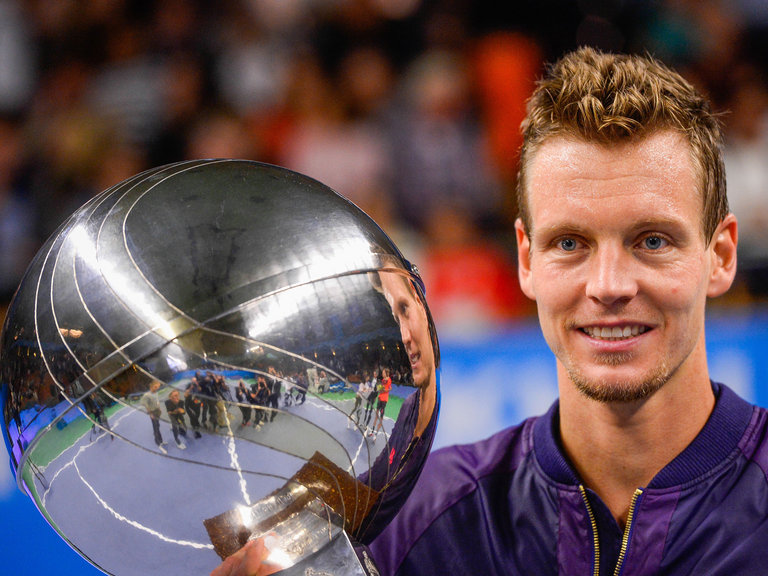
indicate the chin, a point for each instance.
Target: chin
{"x":618,"y":390}
{"x":421,"y":380}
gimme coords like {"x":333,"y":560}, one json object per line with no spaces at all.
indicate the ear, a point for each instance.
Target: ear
{"x":722,"y":250}
{"x":524,"y":260}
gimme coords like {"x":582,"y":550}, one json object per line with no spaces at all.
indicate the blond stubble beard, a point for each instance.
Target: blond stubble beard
{"x":606,"y":391}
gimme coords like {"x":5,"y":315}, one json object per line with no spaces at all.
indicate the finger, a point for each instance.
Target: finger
{"x":227,"y":567}
{"x":253,"y":561}
{"x":231,"y":564}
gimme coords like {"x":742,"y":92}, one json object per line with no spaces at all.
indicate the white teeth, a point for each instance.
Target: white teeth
{"x":615,"y":332}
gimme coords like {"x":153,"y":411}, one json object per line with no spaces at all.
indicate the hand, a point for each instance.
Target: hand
{"x":248,"y":561}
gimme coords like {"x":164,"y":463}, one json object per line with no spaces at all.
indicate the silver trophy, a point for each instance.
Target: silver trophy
{"x":212,"y":352}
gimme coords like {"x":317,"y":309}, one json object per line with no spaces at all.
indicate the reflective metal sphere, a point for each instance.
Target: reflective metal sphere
{"x":186,"y":365}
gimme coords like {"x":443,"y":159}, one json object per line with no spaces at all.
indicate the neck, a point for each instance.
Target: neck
{"x":619,"y":447}
{"x":426,"y":407}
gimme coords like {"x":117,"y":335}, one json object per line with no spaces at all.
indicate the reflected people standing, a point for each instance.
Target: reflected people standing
{"x":243,"y":401}
{"x":175,"y":408}
{"x":151,"y":403}
{"x":400,"y":462}
{"x":193,"y":405}
{"x":383,"y":389}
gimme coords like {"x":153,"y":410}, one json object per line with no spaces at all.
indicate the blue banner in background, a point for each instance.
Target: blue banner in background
{"x":499,"y":379}
{"x":489,"y":382}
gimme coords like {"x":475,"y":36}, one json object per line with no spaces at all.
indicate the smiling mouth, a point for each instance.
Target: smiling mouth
{"x":614,"y":332}
{"x":414,"y":358}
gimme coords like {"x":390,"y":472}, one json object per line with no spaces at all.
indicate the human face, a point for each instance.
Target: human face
{"x":618,"y":264}
{"x":411,"y":316}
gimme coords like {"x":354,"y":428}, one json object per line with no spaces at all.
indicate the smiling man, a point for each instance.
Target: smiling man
{"x":643,"y":466}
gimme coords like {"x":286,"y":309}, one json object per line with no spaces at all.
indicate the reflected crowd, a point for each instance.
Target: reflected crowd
{"x":410,"y":108}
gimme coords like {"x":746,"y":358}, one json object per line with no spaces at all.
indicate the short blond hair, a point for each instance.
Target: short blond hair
{"x":609,"y":98}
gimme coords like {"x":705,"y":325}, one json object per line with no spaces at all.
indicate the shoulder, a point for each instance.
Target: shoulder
{"x":463,"y":465}
{"x":738,"y":423}
{"x":754,"y":442}
{"x":451,"y":477}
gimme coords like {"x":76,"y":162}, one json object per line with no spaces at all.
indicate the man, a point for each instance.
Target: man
{"x":275,"y":386}
{"x":174,"y":405}
{"x":260,"y":392}
{"x":208,"y":396}
{"x":222,"y":395}
{"x":151,"y":403}
{"x":643,"y":466}
{"x":361,"y":393}
{"x":383,"y":389}
{"x":301,"y":388}
{"x":193,"y":405}
{"x":368,"y":392}
{"x":242,"y":394}
{"x":412,"y":318}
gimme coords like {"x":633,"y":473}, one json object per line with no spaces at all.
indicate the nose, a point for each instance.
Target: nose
{"x":612,"y":275}
{"x":405,"y":332}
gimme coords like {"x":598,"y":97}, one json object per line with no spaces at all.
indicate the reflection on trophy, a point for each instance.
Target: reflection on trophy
{"x":213,"y":352}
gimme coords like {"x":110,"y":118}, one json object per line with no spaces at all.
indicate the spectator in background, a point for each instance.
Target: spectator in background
{"x":472,"y":281}
{"x":18,"y":241}
{"x":746,"y":160}
{"x":17,"y":69}
{"x":439,"y":148}
{"x":505,"y":65}
{"x":447,"y":187}
{"x":220,"y":134}
{"x":253,"y":58}
{"x":408,"y":101}
{"x":339,"y":138}
{"x":183,"y":94}
{"x":68,"y":143}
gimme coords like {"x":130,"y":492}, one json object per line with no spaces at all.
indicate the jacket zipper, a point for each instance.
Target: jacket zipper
{"x":595,"y":539}
{"x":627,"y":531}
{"x":625,"y":538}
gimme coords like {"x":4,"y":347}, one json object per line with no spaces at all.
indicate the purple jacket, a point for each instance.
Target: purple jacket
{"x":512,"y":504}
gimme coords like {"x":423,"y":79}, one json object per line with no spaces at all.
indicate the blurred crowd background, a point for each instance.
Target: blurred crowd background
{"x":410,"y":108}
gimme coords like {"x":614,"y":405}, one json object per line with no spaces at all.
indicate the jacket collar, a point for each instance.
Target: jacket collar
{"x":716,"y":441}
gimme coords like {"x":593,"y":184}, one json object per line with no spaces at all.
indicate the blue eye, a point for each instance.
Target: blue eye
{"x":568,"y":244}
{"x":654,"y":242}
